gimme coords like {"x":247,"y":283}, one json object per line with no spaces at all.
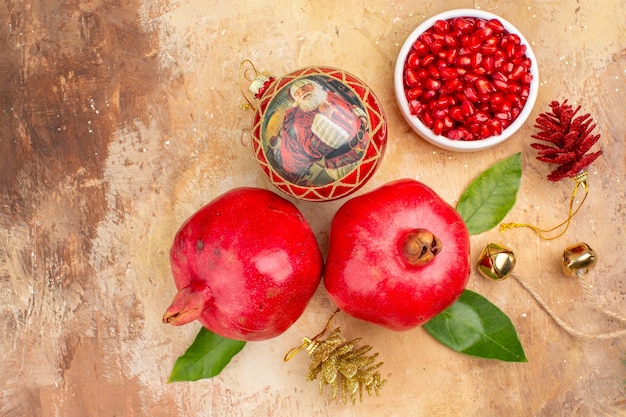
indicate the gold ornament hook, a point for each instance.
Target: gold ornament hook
{"x":257,"y":84}
{"x":309,"y":344}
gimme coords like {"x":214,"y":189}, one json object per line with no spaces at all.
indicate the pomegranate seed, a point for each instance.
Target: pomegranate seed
{"x":496,"y":99}
{"x":448,"y":123}
{"x":491,"y":41}
{"x":464,"y":61}
{"x":416,"y":107}
{"x":436,"y":36}
{"x":484,"y":87}
{"x":464,"y":51}
{"x":410,"y":78}
{"x":440,"y":63}
{"x":503,"y":116}
{"x":455,"y":134}
{"x":499,"y":76}
{"x":470,"y":77}
{"x":456,"y":113}
{"x":427,"y":39}
{"x":467,"y":108}
{"x":440,"y":113}
{"x":451,"y":86}
{"x":471,"y":94}
{"x":451,"y":40}
{"x":484,"y":32}
{"x":420,"y":48}
{"x":500,"y":85}
{"x":510,"y":50}
{"x":515,"y":111}
{"x":485,"y":132}
{"x":480,"y":117}
{"x":414,"y":93}
{"x":442,"y":26}
{"x":524,"y":92}
{"x":514,"y":39}
{"x":429,"y":95}
{"x":413,"y":61}
{"x":437,"y":46}
{"x":422,"y":73}
{"x":474,"y":129}
{"x":495,"y":126}
{"x":517,"y":72}
{"x":520,"y":51}
{"x":474,"y":43}
{"x":514,"y":88}
{"x":476,"y":59}
{"x":498,"y":59}
{"x":488,"y":49}
{"x":487,"y":63}
{"x":514,"y":99}
{"x":451,"y":56}
{"x":462,"y":24}
{"x":427,"y":119}
{"x":431,"y":84}
{"x":434,"y":72}
{"x":527,"y":78}
{"x":448,"y":73}
{"x":506,"y":106}
{"x":428,"y":60}
{"x":438,"y":126}
{"x":443,"y":102}
{"x":496,"y":25}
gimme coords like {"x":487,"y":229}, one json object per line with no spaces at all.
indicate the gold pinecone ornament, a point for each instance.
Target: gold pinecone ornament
{"x":337,"y":363}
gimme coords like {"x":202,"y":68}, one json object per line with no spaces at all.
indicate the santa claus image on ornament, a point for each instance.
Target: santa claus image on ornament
{"x":317,"y":131}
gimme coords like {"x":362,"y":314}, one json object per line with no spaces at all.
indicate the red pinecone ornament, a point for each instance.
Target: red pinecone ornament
{"x":570,"y":137}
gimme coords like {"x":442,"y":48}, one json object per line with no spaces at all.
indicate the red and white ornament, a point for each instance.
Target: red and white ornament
{"x":318,"y":133}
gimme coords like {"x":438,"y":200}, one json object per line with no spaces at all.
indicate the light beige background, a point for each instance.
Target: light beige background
{"x":119,"y":121}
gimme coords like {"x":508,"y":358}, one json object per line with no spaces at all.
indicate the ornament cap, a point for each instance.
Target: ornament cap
{"x":260,"y":83}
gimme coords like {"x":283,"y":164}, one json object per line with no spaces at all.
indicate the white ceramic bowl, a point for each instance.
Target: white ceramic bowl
{"x":442,"y":141}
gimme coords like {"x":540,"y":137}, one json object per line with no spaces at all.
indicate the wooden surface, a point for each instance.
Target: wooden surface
{"x":120,"y":119}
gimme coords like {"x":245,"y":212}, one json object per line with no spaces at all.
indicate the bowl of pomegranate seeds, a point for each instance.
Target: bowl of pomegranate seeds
{"x":466,"y":80}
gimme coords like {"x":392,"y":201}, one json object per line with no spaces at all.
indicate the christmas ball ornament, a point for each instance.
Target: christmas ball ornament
{"x":578,"y":258}
{"x":318,"y":133}
{"x":496,"y":263}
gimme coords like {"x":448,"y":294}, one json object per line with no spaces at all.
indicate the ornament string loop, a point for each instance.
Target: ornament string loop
{"x":581,"y":181}
{"x":244,"y":73}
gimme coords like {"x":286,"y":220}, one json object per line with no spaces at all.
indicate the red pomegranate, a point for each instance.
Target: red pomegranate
{"x":398,"y":255}
{"x":245,"y":265}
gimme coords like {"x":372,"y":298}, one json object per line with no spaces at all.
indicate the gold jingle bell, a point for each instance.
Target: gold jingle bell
{"x":578,"y":258}
{"x":496,"y":262}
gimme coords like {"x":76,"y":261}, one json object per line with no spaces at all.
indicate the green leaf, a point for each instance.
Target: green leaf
{"x":486,"y":201}
{"x":476,"y":327}
{"x":206,"y":357}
